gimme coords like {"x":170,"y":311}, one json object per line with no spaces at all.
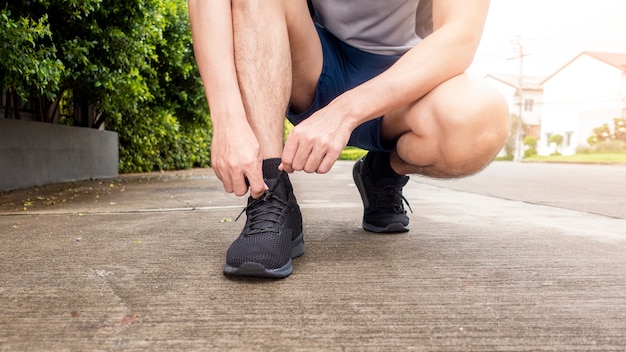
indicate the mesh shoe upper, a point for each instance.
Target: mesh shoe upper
{"x":382,"y":199}
{"x":272,"y":222}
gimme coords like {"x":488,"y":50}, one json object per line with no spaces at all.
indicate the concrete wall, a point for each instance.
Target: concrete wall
{"x":34,"y":153}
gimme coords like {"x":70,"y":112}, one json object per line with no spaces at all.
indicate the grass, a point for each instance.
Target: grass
{"x":352,"y":153}
{"x":587,"y":158}
{"x":348,"y":153}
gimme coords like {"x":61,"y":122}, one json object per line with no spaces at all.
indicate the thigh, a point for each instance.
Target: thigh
{"x":306,"y":53}
{"x":464,"y":103}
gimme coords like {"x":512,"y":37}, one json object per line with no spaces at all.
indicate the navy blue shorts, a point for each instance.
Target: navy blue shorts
{"x":344,"y":68}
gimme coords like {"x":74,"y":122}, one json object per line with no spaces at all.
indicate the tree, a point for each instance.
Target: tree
{"x":605,"y":133}
{"x":600,"y":134}
{"x":531,"y":143}
{"x":557,"y":139}
{"x":32,"y":68}
{"x":124,"y":63}
{"x":178,"y":133}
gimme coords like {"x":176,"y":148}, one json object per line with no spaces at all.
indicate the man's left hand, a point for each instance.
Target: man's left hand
{"x":315,"y":144}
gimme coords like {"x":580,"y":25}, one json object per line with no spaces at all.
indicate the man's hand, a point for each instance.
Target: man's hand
{"x":237,"y":161}
{"x":315,"y":144}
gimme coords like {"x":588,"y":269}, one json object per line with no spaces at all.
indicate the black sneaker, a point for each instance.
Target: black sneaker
{"x":272,"y":235}
{"x":382,"y":199}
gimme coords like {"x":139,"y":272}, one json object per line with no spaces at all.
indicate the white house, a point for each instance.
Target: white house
{"x":585,"y":93}
{"x":532,"y":97}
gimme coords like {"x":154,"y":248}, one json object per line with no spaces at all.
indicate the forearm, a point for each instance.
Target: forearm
{"x":212,"y":31}
{"x":444,"y":54}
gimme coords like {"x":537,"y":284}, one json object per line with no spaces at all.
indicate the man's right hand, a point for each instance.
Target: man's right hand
{"x":237,"y":162}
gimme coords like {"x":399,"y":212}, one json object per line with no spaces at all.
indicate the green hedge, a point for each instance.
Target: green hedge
{"x":163,"y":143}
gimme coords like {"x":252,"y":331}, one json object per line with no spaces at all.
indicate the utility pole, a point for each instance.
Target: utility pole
{"x":519,"y":143}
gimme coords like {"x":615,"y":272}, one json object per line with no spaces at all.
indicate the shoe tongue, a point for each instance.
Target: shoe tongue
{"x":272,"y":176}
{"x":270,"y":167}
{"x":271,"y":182}
{"x":279,"y":186}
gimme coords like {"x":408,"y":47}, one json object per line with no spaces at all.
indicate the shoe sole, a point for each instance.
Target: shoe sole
{"x":251,"y":269}
{"x":391,"y":228}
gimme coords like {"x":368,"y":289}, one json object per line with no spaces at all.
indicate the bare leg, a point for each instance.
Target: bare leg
{"x":277,"y":51}
{"x":278,"y":58}
{"x":454,"y":131}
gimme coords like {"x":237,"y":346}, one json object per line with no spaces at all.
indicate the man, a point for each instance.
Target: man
{"x":385,"y":76}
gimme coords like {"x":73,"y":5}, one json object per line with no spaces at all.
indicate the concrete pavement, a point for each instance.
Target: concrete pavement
{"x":134,"y":264}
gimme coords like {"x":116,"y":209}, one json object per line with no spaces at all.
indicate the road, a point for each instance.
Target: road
{"x":522,"y":257}
{"x":594,"y":189}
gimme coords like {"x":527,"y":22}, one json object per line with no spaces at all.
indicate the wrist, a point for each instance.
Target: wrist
{"x":347,"y":106}
{"x":227,"y":112}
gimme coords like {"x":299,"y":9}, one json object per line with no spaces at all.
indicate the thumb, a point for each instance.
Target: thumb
{"x":257,"y":185}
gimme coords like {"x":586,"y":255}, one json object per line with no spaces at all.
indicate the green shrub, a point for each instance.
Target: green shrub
{"x":504,"y":158}
{"x":352,"y":153}
{"x":530,"y":141}
{"x":610,"y":146}
{"x":584,"y":149}
{"x":592,"y":140}
{"x":530,"y":152}
{"x":162,"y":143}
{"x":349,"y":153}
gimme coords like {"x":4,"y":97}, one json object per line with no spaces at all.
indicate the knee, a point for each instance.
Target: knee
{"x":454,"y":131}
{"x":475,"y":134}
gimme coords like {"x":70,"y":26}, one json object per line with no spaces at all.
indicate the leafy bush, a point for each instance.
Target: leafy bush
{"x":349,"y":153}
{"x":583,"y":149}
{"x":557,"y":139}
{"x":610,"y":146}
{"x":162,"y":143}
{"x":530,"y":152}
{"x":352,"y":153}
{"x":608,"y":133}
{"x":34,"y":67}
{"x":130,"y":61}
{"x":504,"y":158}
{"x":530,"y":141}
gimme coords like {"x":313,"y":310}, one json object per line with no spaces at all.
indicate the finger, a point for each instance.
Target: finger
{"x":218,"y":174}
{"x":327,"y":162}
{"x":256,"y":182}
{"x":228,"y":185}
{"x":289,"y":151}
{"x":301,"y":157}
{"x":282,"y":167}
{"x":239,"y":185}
{"x":314,"y":161}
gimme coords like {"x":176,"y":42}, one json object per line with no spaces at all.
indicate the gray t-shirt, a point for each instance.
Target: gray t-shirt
{"x":389,"y":27}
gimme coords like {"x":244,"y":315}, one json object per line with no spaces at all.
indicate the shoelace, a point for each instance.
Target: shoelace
{"x":391,"y":197}
{"x":262,"y":219}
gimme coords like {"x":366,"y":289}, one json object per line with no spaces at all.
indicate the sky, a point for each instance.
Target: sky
{"x":552,"y":33}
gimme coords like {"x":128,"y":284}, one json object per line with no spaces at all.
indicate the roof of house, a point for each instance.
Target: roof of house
{"x":617,"y":60}
{"x":528,"y":83}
